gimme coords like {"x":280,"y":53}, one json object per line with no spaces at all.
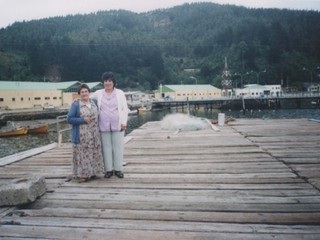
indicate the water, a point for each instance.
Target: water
{"x":12,"y":145}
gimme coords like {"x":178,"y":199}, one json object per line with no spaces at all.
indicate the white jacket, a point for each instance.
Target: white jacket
{"x":122,"y":104}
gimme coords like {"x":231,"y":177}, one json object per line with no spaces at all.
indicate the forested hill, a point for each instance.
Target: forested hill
{"x":148,"y":48}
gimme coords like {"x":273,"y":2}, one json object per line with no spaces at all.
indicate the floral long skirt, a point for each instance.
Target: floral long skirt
{"x":87,"y":162}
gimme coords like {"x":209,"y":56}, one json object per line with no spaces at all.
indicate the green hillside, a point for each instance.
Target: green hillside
{"x":148,"y":48}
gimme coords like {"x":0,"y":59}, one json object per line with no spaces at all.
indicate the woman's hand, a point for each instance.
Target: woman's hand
{"x":87,"y":120}
{"x":123,"y":127}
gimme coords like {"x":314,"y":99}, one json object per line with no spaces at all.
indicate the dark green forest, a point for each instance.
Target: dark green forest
{"x":155,"y":47}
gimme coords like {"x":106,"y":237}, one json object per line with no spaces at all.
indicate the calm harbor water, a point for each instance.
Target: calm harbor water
{"x":12,"y":145}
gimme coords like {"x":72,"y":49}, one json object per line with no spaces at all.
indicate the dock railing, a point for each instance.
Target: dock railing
{"x":61,"y":131}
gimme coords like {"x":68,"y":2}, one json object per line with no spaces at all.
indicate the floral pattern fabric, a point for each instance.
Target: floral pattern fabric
{"x":87,"y":155}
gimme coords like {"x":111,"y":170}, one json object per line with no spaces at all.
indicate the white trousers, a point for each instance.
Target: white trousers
{"x":112,"y":149}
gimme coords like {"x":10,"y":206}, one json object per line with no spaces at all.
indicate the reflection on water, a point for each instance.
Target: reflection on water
{"x":12,"y":145}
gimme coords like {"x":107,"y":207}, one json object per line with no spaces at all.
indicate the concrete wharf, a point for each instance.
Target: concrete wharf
{"x":299,"y":100}
{"x":252,"y":179}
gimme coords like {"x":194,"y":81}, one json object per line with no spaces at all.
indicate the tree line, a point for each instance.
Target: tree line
{"x":145,"y":49}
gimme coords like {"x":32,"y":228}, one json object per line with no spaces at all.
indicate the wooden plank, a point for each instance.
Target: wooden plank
{"x":191,"y":186}
{"x":179,"y":206}
{"x":185,"y":199}
{"x":99,"y":189}
{"x":22,"y":155}
{"x":182,"y":226}
{"x":47,"y":232}
{"x":254,"y":179}
{"x":190,"y":216}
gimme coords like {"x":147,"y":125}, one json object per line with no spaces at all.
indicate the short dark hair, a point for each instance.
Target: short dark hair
{"x":108,"y":76}
{"x":82,"y":86}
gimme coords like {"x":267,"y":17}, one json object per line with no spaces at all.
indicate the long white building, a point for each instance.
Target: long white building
{"x":258,"y":91}
{"x":191,"y":92}
{"x":23,"y":95}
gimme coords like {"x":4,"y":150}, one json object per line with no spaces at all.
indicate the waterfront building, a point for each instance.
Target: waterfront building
{"x":138,"y":96}
{"x":24,"y":95}
{"x":184,"y":92}
{"x":311,"y":87}
{"x":137,"y":99}
{"x":258,"y":91}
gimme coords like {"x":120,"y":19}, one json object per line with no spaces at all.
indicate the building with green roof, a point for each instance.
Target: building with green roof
{"x":23,"y":95}
{"x":191,"y":92}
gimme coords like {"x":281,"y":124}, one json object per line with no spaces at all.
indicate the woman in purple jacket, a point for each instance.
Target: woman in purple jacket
{"x":113,"y":117}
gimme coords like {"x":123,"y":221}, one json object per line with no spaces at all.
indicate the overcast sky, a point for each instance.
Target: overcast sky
{"x":18,"y":10}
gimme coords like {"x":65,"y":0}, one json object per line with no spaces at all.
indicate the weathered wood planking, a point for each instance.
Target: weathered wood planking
{"x":253,"y":179}
{"x":82,"y":232}
{"x":18,"y":156}
{"x":295,"y":142}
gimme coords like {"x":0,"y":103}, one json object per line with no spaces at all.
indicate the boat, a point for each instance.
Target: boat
{"x":133,"y":112}
{"x":214,"y":121}
{"x":32,"y":126}
{"x":145,"y":109}
{"x":38,"y":129}
{"x":9,"y":132}
{"x":315,"y":103}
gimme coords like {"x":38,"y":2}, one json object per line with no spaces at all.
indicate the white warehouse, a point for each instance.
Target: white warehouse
{"x":258,"y":91}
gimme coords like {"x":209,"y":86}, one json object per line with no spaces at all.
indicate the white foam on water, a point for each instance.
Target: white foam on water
{"x":183,"y":122}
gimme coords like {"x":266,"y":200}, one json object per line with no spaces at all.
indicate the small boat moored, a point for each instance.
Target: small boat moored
{"x":9,"y":132}
{"x":144,"y":109}
{"x":315,"y":103}
{"x":133,"y":112}
{"x":14,"y":128}
{"x":38,"y":129}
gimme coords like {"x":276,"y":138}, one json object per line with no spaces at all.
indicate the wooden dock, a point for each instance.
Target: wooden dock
{"x":253,"y":179}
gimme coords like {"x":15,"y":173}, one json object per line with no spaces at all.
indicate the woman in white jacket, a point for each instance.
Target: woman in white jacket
{"x":113,"y":116}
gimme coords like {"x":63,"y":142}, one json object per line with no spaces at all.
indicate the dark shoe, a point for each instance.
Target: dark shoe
{"x":119,"y":174}
{"x":108,"y":174}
